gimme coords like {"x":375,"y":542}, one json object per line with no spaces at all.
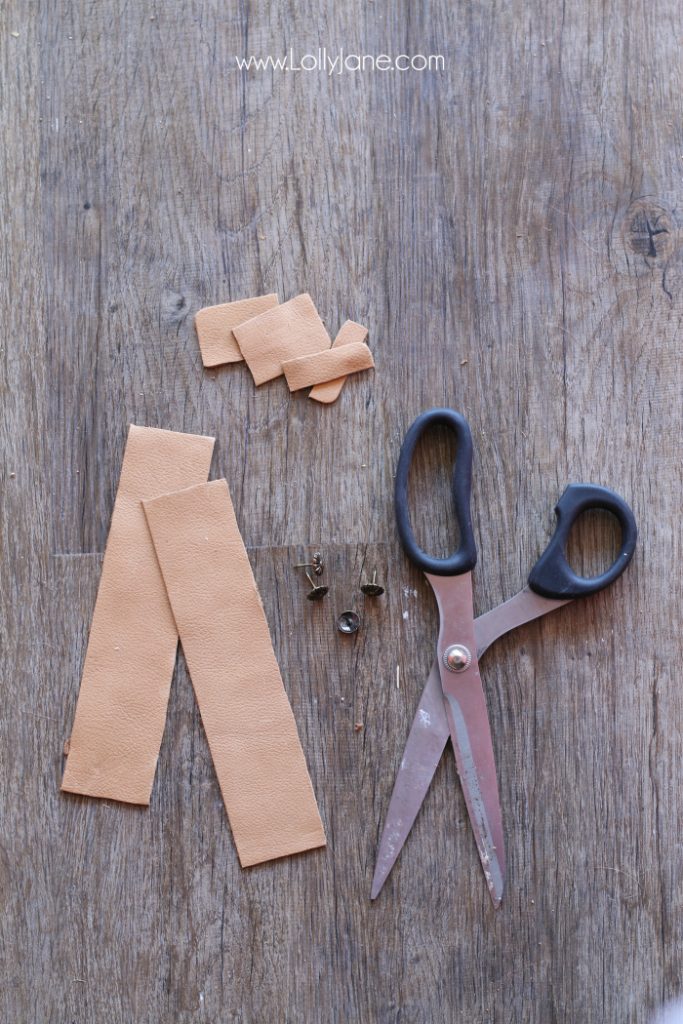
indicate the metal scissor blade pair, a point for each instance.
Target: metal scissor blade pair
{"x":430,"y":730}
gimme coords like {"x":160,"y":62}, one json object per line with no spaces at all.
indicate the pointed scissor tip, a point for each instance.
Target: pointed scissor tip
{"x":378,"y":881}
{"x":496,"y":894}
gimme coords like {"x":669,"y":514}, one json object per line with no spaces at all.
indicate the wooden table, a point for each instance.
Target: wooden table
{"x":509,"y":230}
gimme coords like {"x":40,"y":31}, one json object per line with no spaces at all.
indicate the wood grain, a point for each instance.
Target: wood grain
{"x":510,"y":231}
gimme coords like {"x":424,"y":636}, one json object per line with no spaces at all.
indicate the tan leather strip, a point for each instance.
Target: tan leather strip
{"x":290,"y":330}
{"x":331,"y":389}
{"x":325,"y":366}
{"x":214,"y":326}
{"x":133,"y":640}
{"x":246,"y":714}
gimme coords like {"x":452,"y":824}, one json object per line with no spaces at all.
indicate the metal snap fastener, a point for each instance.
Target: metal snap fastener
{"x":348,"y":622}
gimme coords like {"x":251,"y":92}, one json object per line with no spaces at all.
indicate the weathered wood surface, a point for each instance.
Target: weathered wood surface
{"x":498,"y":227}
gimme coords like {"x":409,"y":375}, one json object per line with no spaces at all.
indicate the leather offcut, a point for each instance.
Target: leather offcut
{"x":247,"y":717}
{"x":331,"y":389}
{"x":215,"y":324}
{"x":289,"y":330}
{"x":325,"y":366}
{"x":121,"y":709}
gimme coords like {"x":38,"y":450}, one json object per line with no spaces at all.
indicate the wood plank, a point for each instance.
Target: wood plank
{"x":509,"y":231}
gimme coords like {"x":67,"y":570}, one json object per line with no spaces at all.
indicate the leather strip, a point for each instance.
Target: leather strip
{"x":131,"y":652}
{"x":214,"y":326}
{"x":246,"y":714}
{"x":326,"y":366}
{"x":291,"y":329}
{"x":331,"y":389}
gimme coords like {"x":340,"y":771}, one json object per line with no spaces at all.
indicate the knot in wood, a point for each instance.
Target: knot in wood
{"x":649,"y":231}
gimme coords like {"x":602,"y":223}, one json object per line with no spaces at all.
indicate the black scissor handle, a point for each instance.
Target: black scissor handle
{"x":465,"y":558}
{"x":552,"y":576}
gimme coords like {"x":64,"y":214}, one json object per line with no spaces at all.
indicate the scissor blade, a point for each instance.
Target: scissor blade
{"x":428,"y":737}
{"x":430,"y":731}
{"x":469,"y":726}
{"x":426,"y":743}
{"x":523,"y":607}
{"x":477,"y":771}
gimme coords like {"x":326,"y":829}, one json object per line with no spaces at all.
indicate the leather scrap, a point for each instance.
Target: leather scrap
{"x":121,"y":709}
{"x":326,"y":366}
{"x":331,"y":389}
{"x":248,"y":720}
{"x":214,"y":326}
{"x":292,"y":329}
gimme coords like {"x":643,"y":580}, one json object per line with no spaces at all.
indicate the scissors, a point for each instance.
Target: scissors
{"x":453,"y":702}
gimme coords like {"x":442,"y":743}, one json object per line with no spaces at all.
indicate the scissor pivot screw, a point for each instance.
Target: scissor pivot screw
{"x":457,"y":658}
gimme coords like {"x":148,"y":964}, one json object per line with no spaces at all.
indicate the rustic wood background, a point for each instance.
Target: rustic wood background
{"x":509,"y":230}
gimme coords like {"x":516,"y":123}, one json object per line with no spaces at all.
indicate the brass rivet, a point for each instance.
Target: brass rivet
{"x":372,"y":589}
{"x":317,"y":565}
{"x":316,"y":591}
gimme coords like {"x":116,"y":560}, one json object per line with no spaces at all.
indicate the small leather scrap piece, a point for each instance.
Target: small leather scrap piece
{"x":131,"y":652}
{"x":285,"y":332}
{"x":331,"y":389}
{"x":326,"y":366}
{"x":248,"y":720}
{"x":215,"y":324}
